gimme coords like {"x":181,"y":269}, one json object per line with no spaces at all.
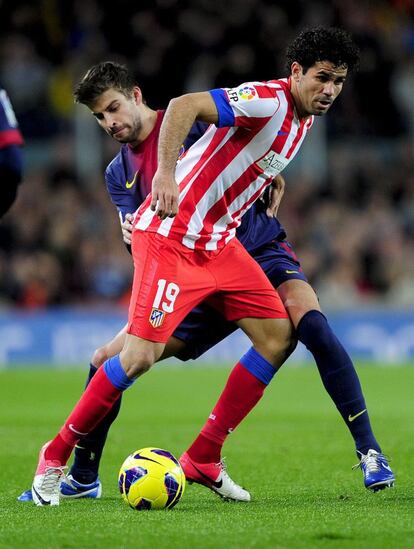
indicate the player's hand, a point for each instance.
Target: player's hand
{"x":127,"y":226}
{"x":276,"y":192}
{"x":164,"y":200}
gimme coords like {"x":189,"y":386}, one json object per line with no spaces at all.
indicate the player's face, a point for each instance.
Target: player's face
{"x":118,"y":115}
{"x":316,"y":90}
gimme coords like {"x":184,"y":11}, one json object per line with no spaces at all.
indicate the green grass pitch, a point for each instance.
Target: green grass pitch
{"x":293,"y":453}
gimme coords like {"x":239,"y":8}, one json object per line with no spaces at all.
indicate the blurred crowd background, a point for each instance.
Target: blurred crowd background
{"x":349,"y":202}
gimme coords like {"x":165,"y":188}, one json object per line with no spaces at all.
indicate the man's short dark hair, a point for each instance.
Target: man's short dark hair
{"x":323,"y":44}
{"x":102,"y":77}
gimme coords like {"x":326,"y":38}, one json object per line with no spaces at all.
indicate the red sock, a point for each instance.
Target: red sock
{"x":94,"y":404}
{"x":242,"y":392}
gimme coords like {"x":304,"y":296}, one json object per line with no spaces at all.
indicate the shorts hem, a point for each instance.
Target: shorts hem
{"x":153,"y":339}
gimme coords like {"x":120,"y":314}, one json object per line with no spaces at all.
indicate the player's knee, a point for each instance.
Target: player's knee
{"x":280,"y":344}
{"x":137,"y":362}
{"x":100,"y":356}
{"x":315,"y":332}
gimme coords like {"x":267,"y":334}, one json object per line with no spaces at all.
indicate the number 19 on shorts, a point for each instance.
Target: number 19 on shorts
{"x":164,"y":300}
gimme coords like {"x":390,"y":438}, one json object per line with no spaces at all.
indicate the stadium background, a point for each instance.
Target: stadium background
{"x":349,"y":205}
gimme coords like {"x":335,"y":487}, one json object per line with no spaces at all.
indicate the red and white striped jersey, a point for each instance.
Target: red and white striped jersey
{"x":226,"y":170}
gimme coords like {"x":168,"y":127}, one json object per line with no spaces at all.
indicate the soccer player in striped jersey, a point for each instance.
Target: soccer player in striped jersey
{"x":181,"y":260}
{"x":10,"y":154}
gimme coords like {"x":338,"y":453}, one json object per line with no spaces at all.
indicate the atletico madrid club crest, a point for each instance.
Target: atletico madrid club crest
{"x":156,"y":317}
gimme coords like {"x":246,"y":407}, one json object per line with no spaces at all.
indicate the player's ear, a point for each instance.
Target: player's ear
{"x":296,"y":70}
{"x":137,"y":95}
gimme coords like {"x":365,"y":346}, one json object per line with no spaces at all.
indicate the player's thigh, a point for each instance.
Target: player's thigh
{"x":282,"y":267}
{"x":279,"y":262}
{"x":298,"y":298}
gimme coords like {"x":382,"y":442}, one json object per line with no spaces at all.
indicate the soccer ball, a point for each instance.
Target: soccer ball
{"x":151,"y":478}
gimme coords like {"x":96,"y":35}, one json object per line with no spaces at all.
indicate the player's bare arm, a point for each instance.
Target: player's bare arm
{"x":179,"y":117}
{"x":276,"y":192}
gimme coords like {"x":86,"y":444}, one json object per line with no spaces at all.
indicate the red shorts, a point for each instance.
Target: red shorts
{"x":171,"y":279}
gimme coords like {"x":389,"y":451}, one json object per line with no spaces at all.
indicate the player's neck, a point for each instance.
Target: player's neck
{"x":301,"y":114}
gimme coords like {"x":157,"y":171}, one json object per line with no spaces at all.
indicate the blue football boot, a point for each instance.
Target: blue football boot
{"x":26,"y":496}
{"x":377,"y":473}
{"x":72,"y":489}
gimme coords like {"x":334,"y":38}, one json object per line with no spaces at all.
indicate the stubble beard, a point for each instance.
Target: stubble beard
{"x":133,"y":134}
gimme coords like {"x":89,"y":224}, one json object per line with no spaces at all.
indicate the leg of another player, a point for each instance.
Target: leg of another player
{"x":334,"y":364}
{"x":272,"y":344}
{"x":338,"y":376}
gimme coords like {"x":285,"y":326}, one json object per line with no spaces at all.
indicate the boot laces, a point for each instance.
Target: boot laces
{"x":371,"y":461}
{"x":51,"y":478}
{"x":223,"y":467}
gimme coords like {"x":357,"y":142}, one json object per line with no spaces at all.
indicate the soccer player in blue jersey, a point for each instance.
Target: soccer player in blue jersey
{"x":10,"y":154}
{"x":117,"y":104}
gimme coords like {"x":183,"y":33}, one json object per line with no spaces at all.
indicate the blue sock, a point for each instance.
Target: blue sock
{"x":88,"y":451}
{"x":339,"y":377}
{"x":116,"y":374}
{"x":258,"y":366}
